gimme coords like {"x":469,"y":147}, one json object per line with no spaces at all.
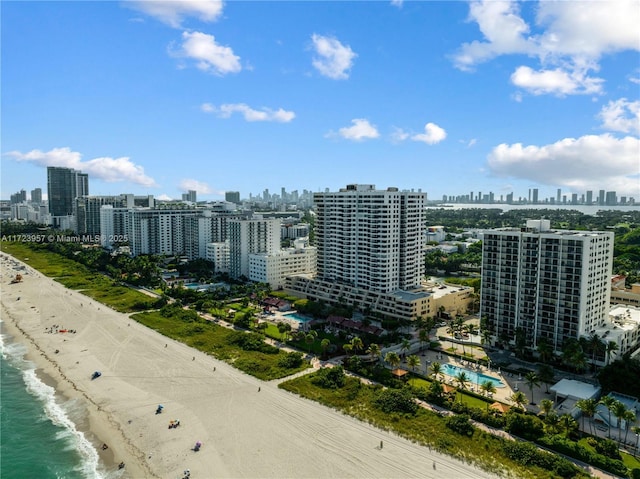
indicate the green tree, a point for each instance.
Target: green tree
{"x":310,"y":338}
{"x":588,"y":409}
{"x":392,"y":358}
{"x":488,"y":388}
{"x":568,"y":424}
{"x":324,"y":345}
{"x":610,"y":348}
{"x":546,"y":375}
{"x":462,"y":379}
{"x":283,"y":329}
{"x":532,"y":380}
{"x":519,"y":400}
{"x":436,"y":369}
{"x":619,"y":410}
{"x":546,"y":406}
{"x":357,"y":344}
{"x":374,"y":351}
{"x":413,"y":362}
{"x":608,"y":402}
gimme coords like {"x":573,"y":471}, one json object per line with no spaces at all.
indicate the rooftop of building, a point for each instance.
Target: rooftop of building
{"x":442,"y":289}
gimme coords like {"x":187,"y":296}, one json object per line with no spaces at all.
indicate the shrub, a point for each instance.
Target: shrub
{"x":608,"y":448}
{"x":527,"y":454}
{"x":290,"y":360}
{"x":396,"y":400}
{"x":251,"y":342}
{"x":524,"y":425}
{"x":460,"y":424}
{"x":329,"y":378}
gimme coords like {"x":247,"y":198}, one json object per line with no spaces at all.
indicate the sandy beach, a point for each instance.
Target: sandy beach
{"x":245,"y":432}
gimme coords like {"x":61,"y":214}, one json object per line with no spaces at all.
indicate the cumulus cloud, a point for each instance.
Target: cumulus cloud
{"x":621,"y":115}
{"x":333,"y":59}
{"x":104,"y":168}
{"x":585,"y":163}
{"x":556,"y":81}
{"x":250,"y":114}
{"x":432,"y":134}
{"x":208,"y":55}
{"x":397,"y":3}
{"x":173,"y":12}
{"x":399,"y":135}
{"x":360,"y":130}
{"x":199,"y":187}
{"x":570,"y":40}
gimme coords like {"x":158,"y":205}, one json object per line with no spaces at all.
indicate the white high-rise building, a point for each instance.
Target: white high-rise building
{"x":275,"y":267}
{"x":371,"y":239}
{"x":248,"y":237}
{"x":553,"y":284}
{"x":370,"y":252}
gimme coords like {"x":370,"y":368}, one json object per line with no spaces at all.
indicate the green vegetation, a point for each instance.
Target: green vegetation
{"x":426,"y":427}
{"x":79,"y":277}
{"x":244,"y":350}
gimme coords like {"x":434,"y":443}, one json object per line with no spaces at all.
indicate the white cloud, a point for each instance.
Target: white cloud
{"x":173,"y":12}
{"x":570,"y":40}
{"x":397,"y":3}
{"x":209,"y":56}
{"x":585,"y":163}
{"x":333,"y":60}
{"x":621,"y":115}
{"x":164,"y":197}
{"x":398,"y":135}
{"x":432,"y":134}
{"x":250,"y":114}
{"x":557,"y":81}
{"x":198,"y":186}
{"x":361,"y":130}
{"x":104,"y":168}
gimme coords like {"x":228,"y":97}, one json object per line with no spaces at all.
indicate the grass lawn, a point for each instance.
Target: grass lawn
{"x":76,"y":276}
{"x":213,"y":339}
{"x":468,"y":399}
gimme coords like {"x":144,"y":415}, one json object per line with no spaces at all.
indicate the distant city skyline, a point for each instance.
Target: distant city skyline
{"x":163,"y":98}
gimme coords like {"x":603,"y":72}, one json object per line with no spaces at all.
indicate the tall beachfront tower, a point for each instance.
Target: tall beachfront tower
{"x":64,"y":185}
{"x":370,"y":239}
{"x":554,"y":284}
{"x":248,"y":237}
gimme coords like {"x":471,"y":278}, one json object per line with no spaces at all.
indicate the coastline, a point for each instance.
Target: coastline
{"x":245,"y":432}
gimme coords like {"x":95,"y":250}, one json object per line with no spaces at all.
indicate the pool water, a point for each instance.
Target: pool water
{"x":297,"y":317}
{"x":472,"y":376}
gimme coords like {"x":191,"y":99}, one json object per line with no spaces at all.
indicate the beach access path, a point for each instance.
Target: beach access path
{"x":249,"y":428}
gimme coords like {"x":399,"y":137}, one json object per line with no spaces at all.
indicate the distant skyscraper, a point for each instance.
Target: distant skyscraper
{"x":191,"y":196}
{"x":558,"y":195}
{"x":19,"y":197}
{"x":601,"y":197}
{"x":36,"y":195}
{"x":64,"y":185}
{"x":611,"y":198}
{"x":589,"y":197}
{"x":232,"y":197}
{"x":535,"y":195}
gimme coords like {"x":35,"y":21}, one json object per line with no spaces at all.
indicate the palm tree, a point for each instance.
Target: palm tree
{"x":588,"y":409}
{"x":488,"y":388}
{"x":405,"y":346}
{"x":546,"y":374}
{"x":436,"y":369}
{"x":620,"y":412}
{"x":310,"y":338}
{"x":597,"y":346}
{"x":462,"y":379}
{"x":374,"y":351}
{"x":532,"y":380}
{"x":608,"y":402}
{"x":413,"y":362}
{"x":546,"y":406}
{"x":283,"y":329}
{"x":519,"y":400}
{"x":348,"y":348}
{"x":544,"y":350}
{"x":629,"y":417}
{"x":357,"y":344}
{"x":610,"y":348}
{"x":324,"y":345}
{"x":568,"y":424}
{"x":423,"y":336}
{"x":392,"y":358}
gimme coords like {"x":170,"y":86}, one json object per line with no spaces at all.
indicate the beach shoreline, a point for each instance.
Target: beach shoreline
{"x":249,"y":428}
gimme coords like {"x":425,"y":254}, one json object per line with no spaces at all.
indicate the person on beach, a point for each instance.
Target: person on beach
{"x":380,"y":444}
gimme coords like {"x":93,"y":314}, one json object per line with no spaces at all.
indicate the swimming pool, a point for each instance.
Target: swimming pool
{"x":472,"y":376}
{"x":297,"y":317}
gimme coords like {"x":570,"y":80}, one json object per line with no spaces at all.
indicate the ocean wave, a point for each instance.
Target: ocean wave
{"x":59,"y":414}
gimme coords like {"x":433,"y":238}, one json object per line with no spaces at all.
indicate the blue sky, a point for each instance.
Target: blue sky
{"x":158,"y":97}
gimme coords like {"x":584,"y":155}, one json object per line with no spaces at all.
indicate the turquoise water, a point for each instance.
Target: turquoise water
{"x":39,"y":438}
{"x":474,"y":377}
{"x":297,"y":317}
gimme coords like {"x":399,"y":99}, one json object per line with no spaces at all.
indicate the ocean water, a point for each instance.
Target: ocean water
{"x":38,"y":435}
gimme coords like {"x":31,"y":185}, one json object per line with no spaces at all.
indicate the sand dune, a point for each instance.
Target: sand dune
{"x":245,"y":433}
